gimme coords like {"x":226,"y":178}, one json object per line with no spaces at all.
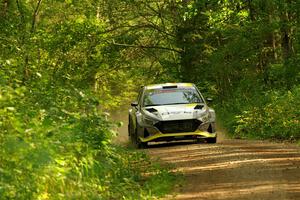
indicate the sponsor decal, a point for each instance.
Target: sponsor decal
{"x":176,"y":113}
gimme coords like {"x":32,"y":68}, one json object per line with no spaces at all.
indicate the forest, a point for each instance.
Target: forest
{"x":66,"y":64}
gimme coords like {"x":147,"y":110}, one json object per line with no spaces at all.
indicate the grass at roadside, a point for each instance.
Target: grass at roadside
{"x":163,"y":181}
{"x":153,"y":179}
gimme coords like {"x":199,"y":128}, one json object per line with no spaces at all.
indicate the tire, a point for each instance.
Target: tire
{"x":130,"y":131}
{"x":135,"y":140}
{"x":129,"y":135}
{"x":129,"y":127}
{"x":138,"y":143}
{"x":141,"y":145}
{"x":211,"y":140}
{"x":199,"y":141}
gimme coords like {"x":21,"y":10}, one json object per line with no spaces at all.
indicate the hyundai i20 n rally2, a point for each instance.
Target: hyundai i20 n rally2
{"x":171,"y":111}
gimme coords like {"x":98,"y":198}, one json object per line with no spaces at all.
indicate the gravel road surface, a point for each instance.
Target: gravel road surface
{"x":231,"y":169}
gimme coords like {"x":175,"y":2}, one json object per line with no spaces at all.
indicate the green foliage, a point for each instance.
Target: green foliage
{"x":159,"y":182}
{"x":58,"y":73}
{"x":277,"y":119}
{"x":62,"y":63}
{"x":264,"y":114}
{"x":65,"y":152}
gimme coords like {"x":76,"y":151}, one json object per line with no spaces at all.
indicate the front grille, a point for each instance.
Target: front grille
{"x":178,"y":126}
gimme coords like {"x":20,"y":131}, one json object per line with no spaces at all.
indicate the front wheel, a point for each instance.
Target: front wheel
{"x":136,"y":140}
{"x":211,"y":140}
{"x":141,"y":145}
{"x":131,"y":131}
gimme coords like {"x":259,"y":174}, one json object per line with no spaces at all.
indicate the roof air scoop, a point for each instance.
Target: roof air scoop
{"x":169,"y":86}
{"x":151,"y":110}
{"x":198,"y":107}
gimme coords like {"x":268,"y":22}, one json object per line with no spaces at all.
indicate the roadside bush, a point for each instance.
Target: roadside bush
{"x":56,"y":144}
{"x":274,"y":115}
{"x":278,"y":119}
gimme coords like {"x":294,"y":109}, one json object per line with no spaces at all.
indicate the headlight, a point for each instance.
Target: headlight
{"x":203,"y":126}
{"x":204,"y":117}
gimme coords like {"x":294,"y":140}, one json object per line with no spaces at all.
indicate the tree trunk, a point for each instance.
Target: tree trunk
{"x":251,"y":10}
{"x":286,"y":32}
{"x":5,"y":5}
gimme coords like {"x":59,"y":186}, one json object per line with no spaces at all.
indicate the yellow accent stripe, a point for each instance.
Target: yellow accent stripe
{"x":156,"y":86}
{"x":153,"y":87}
{"x":161,"y":135}
{"x":186,"y":84}
{"x":191,"y":105}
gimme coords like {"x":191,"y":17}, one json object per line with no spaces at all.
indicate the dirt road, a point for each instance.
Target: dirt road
{"x":232,"y":169}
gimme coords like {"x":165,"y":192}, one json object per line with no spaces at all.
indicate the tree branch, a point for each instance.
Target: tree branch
{"x":147,"y":47}
{"x":35,"y":13}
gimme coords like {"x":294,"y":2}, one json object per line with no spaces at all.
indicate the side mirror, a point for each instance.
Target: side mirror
{"x":134,"y":104}
{"x":209,"y":100}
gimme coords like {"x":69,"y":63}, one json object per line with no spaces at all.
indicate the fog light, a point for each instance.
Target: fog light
{"x":203,"y":127}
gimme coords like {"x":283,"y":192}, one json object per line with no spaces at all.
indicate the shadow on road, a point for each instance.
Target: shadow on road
{"x":170,"y":144}
{"x":234,"y":170}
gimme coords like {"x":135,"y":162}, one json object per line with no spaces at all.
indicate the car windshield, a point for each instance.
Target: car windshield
{"x":157,"y":97}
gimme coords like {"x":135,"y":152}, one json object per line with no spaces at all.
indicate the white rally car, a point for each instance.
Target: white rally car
{"x":171,"y":111}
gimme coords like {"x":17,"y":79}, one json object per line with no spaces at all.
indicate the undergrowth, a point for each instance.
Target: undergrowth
{"x":56,"y":144}
{"x":269,"y":114}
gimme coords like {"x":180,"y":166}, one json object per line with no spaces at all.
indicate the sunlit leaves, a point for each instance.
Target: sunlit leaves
{"x":277,"y":119}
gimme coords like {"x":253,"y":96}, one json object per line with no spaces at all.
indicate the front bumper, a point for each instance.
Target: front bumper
{"x":178,"y":136}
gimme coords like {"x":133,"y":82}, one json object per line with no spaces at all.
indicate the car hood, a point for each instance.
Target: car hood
{"x":176,"y":112}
